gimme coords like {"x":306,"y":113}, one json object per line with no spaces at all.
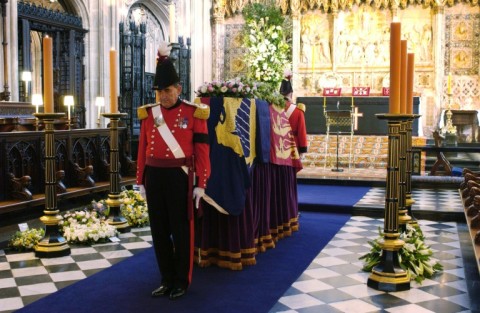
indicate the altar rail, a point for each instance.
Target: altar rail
{"x":82,"y":159}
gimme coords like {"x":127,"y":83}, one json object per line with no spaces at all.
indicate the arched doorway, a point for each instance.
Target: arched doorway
{"x":34,"y":22}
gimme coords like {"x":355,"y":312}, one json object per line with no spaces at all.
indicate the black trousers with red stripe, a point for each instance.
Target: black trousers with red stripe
{"x":167,"y":190}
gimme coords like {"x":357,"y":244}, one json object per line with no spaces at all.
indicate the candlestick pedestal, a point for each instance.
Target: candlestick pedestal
{"x":388,"y":275}
{"x":409,"y":201}
{"x":53,"y":244}
{"x":114,"y":202}
{"x":403,"y":217}
{"x":449,"y":129}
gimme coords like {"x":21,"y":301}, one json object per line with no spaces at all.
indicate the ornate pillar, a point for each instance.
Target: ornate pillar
{"x":5,"y":95}
{"x":440,"y":63}
{"x":218,"y":35}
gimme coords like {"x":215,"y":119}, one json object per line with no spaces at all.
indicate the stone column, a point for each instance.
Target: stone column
{"x":218,"y":35}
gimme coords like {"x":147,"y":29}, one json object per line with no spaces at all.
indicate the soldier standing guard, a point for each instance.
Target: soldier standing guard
{"x":173,"y":151}
{"x":295,"y":114}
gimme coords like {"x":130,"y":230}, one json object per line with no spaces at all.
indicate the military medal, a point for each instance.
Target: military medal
{"x":159,"y":121}
{"x":184,"y":123}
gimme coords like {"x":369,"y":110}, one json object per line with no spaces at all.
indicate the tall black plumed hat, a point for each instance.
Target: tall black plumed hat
{"x":286,"y":87}
{"x":165,"y":73}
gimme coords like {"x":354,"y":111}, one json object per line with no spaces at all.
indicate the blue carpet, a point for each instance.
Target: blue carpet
{"x":326,"y":195}
{"x":126,"y":286}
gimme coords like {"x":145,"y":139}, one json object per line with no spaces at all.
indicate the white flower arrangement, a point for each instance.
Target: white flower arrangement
{"x":86,"y":227}
{"x":415,"y":256}
{"x":27,"y":239}
{"x":268,"y":52}
{"x":134,"y":208}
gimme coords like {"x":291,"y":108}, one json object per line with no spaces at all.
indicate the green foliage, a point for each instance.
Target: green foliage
{"x":415,"y":256}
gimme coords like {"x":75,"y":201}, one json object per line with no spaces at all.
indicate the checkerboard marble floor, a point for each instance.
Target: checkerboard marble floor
{"x":333,"y":282}
{"x":444,"y":200}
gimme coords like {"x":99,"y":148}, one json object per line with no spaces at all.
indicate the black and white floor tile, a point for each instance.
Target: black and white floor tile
{"x":334,"y":281}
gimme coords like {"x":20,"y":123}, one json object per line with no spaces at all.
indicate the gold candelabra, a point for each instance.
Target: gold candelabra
{"x":448,"y":128}
{"x":114,"y":202}
{"x":388,"y":274}
{"x":52,"y":244}
{"x":409,"y":201}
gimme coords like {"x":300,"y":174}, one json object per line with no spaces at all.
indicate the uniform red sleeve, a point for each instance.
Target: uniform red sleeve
{"x":201,"y":151}
{"x":142,"y":147}
{"x":302,"y":132}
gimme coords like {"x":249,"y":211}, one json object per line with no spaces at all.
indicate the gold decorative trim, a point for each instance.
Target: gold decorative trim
{"x":227,"y":8}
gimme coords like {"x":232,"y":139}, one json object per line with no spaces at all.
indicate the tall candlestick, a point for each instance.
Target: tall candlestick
{"x":395,"y":59}
{"x":48,"y":74}
{"x":449,"y":83}
{"x":410,"y":79}
{"x":403,"y":77}
{"x":171,"y":11}
{"x":113,"y":82}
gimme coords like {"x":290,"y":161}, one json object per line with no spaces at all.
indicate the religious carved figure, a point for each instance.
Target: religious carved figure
{"x":425,"y":43}
{"x":20,"y":187}
{"x":315,"y":43}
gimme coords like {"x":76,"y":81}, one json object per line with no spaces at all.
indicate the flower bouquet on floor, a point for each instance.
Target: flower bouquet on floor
{"x":86,"y":227}
{"x":26,"y":240}
{"x":134,"y":208}
{"x":415,"y":256}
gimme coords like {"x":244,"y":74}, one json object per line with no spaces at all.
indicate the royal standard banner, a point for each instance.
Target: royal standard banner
{"x":236,"y":127}
{"x":283,"y":150}
{"x":263,"y":131}
{"x":231,"y":130}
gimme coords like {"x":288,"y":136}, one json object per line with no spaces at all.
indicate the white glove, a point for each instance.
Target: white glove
{"x":198,"y":193}
{"x":141,"y":190}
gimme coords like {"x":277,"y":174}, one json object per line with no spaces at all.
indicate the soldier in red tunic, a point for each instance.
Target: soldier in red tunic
{"x":173,"y":151}
{"x":295,"y":114}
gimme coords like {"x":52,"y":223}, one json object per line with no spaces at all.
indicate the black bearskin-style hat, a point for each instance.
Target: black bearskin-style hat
{"x":165,"y":73}
{"x":286,"y":87}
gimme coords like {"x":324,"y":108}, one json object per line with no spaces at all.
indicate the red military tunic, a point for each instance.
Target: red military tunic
{"x":169,"y":192}
{"x":187,"y":129}
{"x":297,"y":122}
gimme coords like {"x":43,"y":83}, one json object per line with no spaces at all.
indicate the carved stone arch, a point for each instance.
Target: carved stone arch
{"x":78,"y":8}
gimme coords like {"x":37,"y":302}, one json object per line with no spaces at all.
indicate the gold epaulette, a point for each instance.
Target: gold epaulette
{"x":301,"y":106}
{"x":142,"y":111}
{"x":202,"y":112}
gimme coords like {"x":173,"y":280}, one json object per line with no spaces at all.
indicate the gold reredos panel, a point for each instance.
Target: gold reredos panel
{"x":295,"y":7}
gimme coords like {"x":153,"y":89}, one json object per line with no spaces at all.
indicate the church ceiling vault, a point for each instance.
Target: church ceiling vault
{"x":226,"y":8}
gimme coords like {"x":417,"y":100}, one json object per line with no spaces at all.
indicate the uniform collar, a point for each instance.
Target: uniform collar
{"x":177,"y":104}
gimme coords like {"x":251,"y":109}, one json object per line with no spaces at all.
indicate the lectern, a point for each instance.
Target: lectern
{"x":339,"y":122}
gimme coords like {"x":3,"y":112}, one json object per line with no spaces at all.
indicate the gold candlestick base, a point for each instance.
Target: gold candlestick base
{"x":115,"y":217}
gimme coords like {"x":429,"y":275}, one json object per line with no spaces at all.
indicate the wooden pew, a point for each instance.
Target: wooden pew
{"x":82,"y":165}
